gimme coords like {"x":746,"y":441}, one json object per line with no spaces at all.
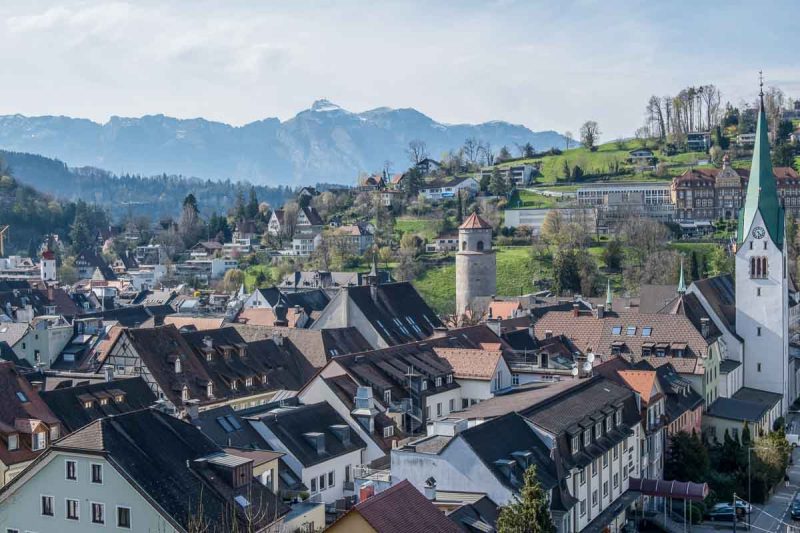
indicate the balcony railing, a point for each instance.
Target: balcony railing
{"x":366,"y":473}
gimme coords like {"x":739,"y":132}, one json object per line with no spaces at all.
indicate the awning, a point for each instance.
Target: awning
{"x":685,"y":490}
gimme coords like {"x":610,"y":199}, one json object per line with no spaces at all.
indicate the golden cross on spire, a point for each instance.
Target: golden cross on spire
{"x":761,"y":83}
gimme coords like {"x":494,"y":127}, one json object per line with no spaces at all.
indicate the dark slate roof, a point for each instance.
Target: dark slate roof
{"x":680,"y":395}
{"x":403,"y":509}
{"x":7,"y":354}
{"x":283,"y":365}
{"x":217,"y":425}
{"x":395,"y":302}
{"x":130,"y":317}
{"x":720,"y":294}
{"x":68,"y":403}
{"x":479,"y":516}
{"x":91,"y":258}
{"x":290,"y":425}
{"x":728,"y":365}
{"x":520,"y":340}
{"x":158,"y":347}
{"x":160,"y":454}
{"x":313,"y":216}
{"x":765,"y":398}
{"x":518,"y":436}
{"x":733,"y":409}
{"x":316,"y":346}
{"x":309,"y":300}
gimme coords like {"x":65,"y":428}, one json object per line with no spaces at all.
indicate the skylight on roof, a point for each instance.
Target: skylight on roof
{"x":242,"y":501}
{"x":646,"y":331}
{"x":631,"y":331}
{"x":225,"y":424}
{"x":233,"y":422}
{"x":21,"y":397}
{"x":616,"y":330}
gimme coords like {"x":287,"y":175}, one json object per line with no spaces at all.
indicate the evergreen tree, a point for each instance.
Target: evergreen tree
{"x":695,"y":270}
{"x":503,"y":155}
{"x":412,"y":182}
{"x":80,"y":234}
{"x":498,"y":185}
{"x":566,"y":271}
{"x":613,"y":254}
{"x":251,"y":212}
{"x":566,"y":171}
{"x":484,"y":183}
{"x":688,"y":459}
{"x":528,"y":513}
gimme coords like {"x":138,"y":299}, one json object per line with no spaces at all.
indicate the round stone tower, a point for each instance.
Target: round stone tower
{"x":476,"y":265}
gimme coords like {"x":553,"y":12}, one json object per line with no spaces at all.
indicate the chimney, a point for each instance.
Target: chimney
{"x":601,"y":311}
{"x":50,"y":293}
{"x":208,"y":342}
{"x":109,"y":370}
{"x":365,"y":411}
{"x":704,"y":326}
{"x":548,"y":334}
{"x":277,"y":338}
{"x":494,"y":325}
{"x":280,"y":315}
{"x":576,"y":310}
{"x":37,"y":386}
{"x":192,"y":410}
{"x":430,"y":488}
{"x":316,"y":440}
{"x":531,"y":332}
{"x":342,"y":432}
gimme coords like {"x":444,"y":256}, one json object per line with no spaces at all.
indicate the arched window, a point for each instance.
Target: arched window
{"x":480,"y":246}
{"x":758,"y":267}
{"x":463,"y":245}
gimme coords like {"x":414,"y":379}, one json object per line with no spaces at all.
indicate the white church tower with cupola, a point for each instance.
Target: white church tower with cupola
{"x":762,"y":313}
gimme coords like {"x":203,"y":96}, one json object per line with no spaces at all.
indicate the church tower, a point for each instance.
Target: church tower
{"x":476,"y":264}
{"x":762,"y":314}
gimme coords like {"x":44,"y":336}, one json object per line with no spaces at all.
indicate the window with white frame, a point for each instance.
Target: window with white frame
{"x":587,"y":438}
{"x":97,"y":473}
{"x":39,"y":441}
{"x":73,"y":509}
{"x":388,"y":431}
{"x":13,"y":442}
{"x":47,"y":506}
{"x":71,"y":470}
{"x":439,"y":382}
{"x":424,"y":384}
{"x":98,"y":513}
{"x":449,"y":378}
{"x":575,"y":444}
{"x":387,"y":397}
{"x":124,"y":517}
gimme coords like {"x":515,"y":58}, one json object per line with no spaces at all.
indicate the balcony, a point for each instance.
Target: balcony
{"x":365,"y":473}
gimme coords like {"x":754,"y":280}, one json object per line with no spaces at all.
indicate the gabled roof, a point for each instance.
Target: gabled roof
{"x":474,"y":221}
{"x":518,"y":436}
{"x":643,"y":382}
{"x":317,"y":346}
{"x":720,"y":294}
{"x":68,"y":403}
{"x":396,"y":311}
{"x":291,"y":425}
{"x":19,"y":402}
{"x":90,"y":258}
{"x":313,"y":216}
{"x":403,"y":509}
{"x":225,"y":427}
{"x":163,"y":457}
{"x":479,"y":516}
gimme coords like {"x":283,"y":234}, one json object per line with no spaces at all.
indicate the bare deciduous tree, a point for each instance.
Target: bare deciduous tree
{"x":417,"y":151}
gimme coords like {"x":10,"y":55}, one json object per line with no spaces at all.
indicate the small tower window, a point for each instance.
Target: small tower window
{"x":765,"y":245}
{"x":463,"y":245}
{"x":758,"y":267}
{"x":480,"y":246}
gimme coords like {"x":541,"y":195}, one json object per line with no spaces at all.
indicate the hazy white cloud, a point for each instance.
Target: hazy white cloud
{"x":545,"y":65}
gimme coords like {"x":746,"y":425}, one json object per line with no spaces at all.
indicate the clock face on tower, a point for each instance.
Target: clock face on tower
{"x":758,"y":232}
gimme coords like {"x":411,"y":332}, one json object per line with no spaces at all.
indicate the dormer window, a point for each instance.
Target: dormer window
{"x":248,"y":382}
{"x":388,"y":431}
{"x":449,"y":378}
{"x":13,"y":442}
{"x":185,"y":394}
{"x":424,"y":384}
{"x":587,"y":438}
{"x":234,"y":385}
{"x":575,"y":444}
{"x":119,"y":398}
{"x":618,"y":417}
{"x":178,"y":365}
{"x":55,"y":433}
{"x":608,"y":424}
{"x":209,"y":356}
{"x":210,"y":390}
{"x":103,"y":401}
{"x":38,"y":441}
{"x":387,"y":397}
{"x":438,"y":382}
{"x":87,"y":404}
{"x":598,"y":430}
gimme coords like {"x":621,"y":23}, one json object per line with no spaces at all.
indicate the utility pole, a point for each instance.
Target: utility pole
{"x":734,"y":512}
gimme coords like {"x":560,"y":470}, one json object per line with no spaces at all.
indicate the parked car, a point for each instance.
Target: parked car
{"x":721,"y":512}
{"x":795,"y":508}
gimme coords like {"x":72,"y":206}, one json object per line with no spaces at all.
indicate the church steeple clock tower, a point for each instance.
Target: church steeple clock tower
{"x":761,"y":286}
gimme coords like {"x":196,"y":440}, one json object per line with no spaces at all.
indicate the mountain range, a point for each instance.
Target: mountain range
{"x":322,"y":144}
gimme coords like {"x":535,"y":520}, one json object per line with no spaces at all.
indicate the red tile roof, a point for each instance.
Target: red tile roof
{"x":404,"y":509}
{"x":471,"y":364}
{"x":475,"y":222}
{"x":642,"y":381}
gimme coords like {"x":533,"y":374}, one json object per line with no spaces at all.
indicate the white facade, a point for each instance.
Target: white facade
{"x":325,"y":480}
{"x":48,"y":269}
{"x":469,"y":185}
{"x":762,"y":314}
{"x":21,"y":506}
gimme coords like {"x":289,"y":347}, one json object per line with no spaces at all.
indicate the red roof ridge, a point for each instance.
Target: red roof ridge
{"x":474,"y":221}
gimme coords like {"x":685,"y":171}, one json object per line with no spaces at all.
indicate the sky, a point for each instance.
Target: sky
{"x":547,"y":65}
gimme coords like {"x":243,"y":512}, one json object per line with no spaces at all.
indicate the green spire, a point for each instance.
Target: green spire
{"x":681,"y":281}
{"x":609,"y":295}
{"x":762,"y":191}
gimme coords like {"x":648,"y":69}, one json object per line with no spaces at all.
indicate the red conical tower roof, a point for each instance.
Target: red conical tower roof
{"x":475,"y":222}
